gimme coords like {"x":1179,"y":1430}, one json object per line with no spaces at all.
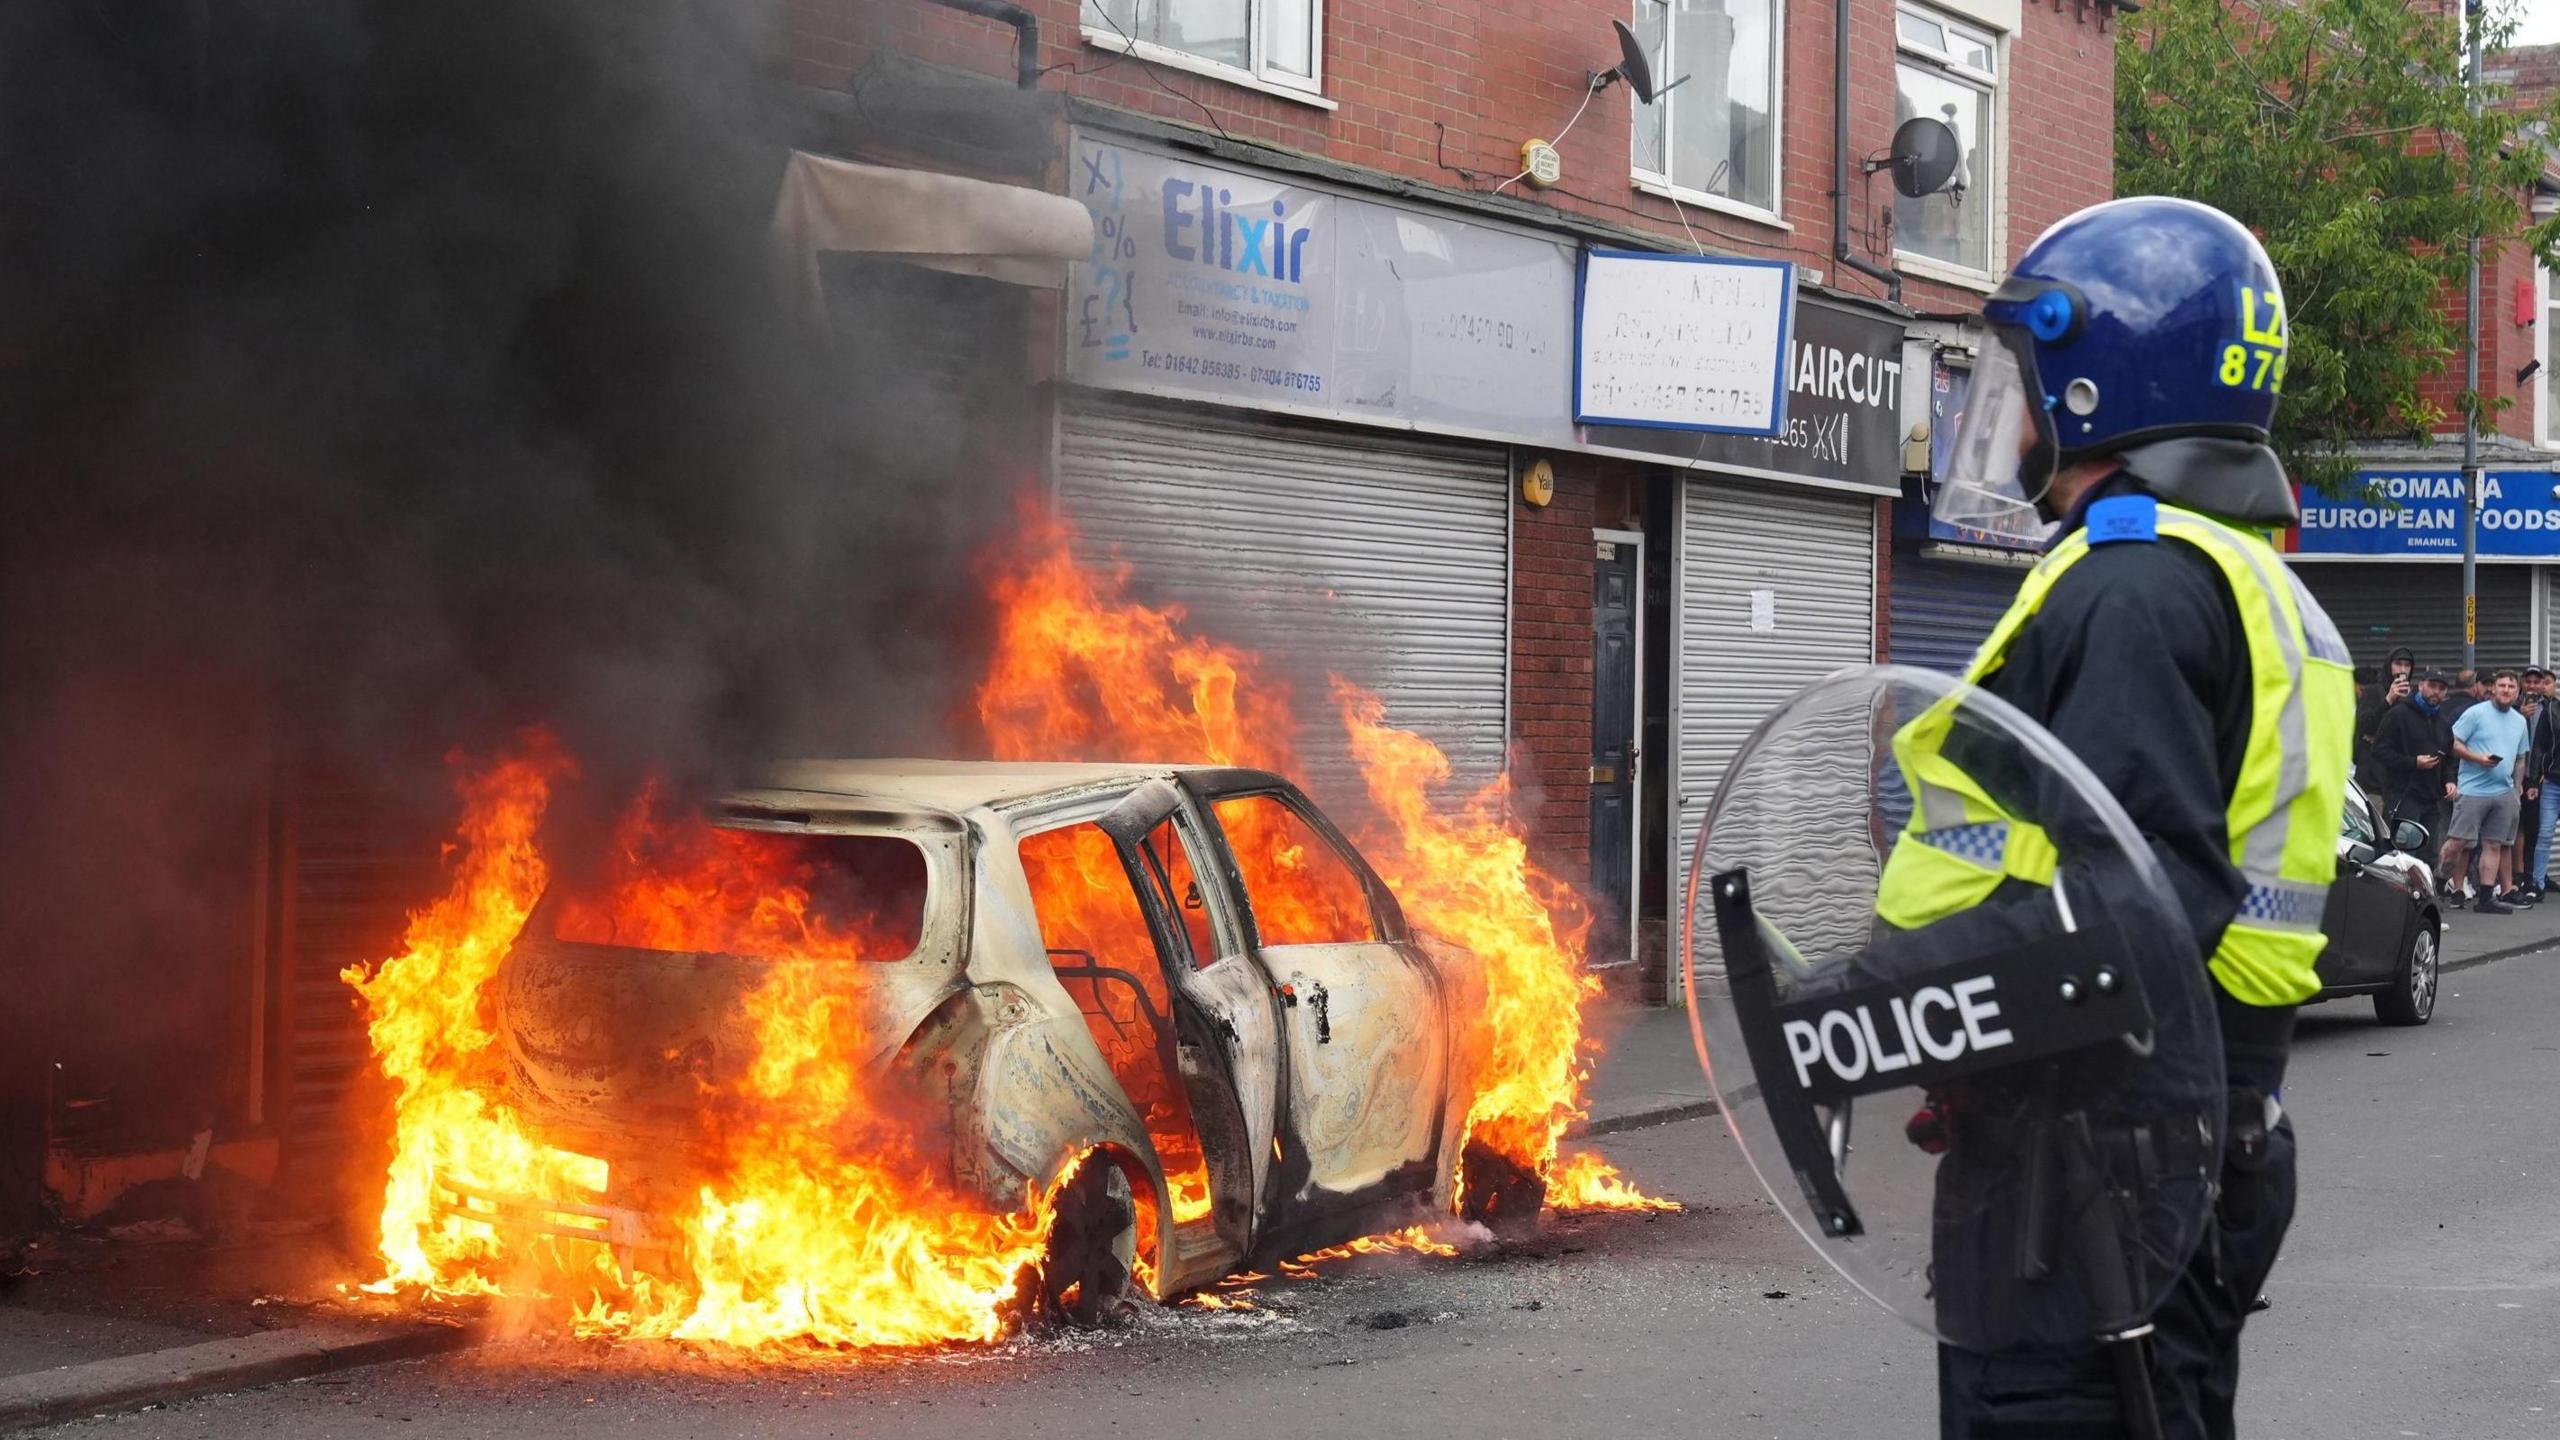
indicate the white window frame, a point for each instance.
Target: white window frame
{"x":2546,"y":425}
{"x":1978,"y":21}
{"x":1653,"y":182}
{"x":1306,"y":89}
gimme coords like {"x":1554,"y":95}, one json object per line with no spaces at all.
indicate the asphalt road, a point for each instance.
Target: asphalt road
{"x":2420,"y":1295}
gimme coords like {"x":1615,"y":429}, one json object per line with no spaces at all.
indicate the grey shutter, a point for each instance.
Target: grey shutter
{"x":1944,"y":609}
{"x":353,"y":867}
{"x":1382,"y":556}
{"x":1815,"y":552}
{"x":2546,"y":638}
{"x":2380,"y":607}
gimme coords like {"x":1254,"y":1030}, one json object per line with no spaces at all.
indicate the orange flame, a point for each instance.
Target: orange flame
{"x":678,"y":884}
{"x":1082,"y":671}
{"x":818,"y":1219}
{"x":814,"y":1215}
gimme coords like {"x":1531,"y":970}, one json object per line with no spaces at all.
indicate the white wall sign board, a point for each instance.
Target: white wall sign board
{"x":1683,"y":342}
{"x":1259,"y":290}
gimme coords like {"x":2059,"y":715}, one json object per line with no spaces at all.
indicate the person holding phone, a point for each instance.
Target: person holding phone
{"x":2407,"y":754}
{"x":2486,"y":739}
{"x":2376,"y":693}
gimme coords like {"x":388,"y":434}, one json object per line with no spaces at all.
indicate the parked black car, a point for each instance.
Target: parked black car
{"x":2383,"y":922}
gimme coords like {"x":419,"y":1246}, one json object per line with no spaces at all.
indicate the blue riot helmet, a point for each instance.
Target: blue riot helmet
{"x":2150,"y":328}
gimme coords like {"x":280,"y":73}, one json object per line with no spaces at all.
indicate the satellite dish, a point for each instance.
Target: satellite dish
{"x":1926,"y":155}
{"x":1632,"y":66}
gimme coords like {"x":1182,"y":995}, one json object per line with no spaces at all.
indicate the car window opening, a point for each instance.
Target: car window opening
{"x":1300,"y":888}
{"x":1095,"y":929}
{"x":692,"y":887}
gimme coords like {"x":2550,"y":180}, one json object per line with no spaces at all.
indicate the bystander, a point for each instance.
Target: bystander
{"x":2489,"y":739}
{"x":2410,"y":755}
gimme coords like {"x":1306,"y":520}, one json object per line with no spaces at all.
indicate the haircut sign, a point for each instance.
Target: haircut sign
{"x":2418,"y":513}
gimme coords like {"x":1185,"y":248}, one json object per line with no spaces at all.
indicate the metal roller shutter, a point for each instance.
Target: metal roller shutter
{"x":1381,"y":556}
{"x":352,"y":870}
{"x":1814,"y":553}
{"x":2546,"y":636}
{"x":1944,"y":609}
{"x":2380,"y":607}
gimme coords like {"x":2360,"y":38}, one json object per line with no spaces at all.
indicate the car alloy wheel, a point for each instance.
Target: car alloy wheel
{"x":2412,"y":998}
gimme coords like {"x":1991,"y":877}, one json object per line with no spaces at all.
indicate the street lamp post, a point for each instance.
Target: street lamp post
{"x":2471,"y":370}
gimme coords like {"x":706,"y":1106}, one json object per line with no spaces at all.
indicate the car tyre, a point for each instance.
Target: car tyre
{"x":1499,"y":1192}
{"x":2411,"y":1000}
{"x":1086,"y":1273}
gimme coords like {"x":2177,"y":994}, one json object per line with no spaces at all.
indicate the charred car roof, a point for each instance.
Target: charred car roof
{"x":943,"y":787}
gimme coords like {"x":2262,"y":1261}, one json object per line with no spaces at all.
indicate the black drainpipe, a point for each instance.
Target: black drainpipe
{"x":1840,"y":247}
{"x":1026,"y":26}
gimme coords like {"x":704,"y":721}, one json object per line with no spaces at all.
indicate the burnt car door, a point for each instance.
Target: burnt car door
{"x":1225,"y":1020}
{"x":1362,"y":1017}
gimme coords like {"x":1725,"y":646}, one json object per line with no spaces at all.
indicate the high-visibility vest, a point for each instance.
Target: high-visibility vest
{"x":2283,"y":816}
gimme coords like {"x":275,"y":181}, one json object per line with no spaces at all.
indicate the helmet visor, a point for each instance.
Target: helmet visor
{"x":1991,"y":487}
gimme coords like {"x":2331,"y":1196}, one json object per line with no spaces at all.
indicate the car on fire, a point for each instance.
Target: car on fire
{"x":1185,"y":974}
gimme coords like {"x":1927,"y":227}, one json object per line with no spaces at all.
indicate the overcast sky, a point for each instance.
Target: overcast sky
{"x":2541,"y":22}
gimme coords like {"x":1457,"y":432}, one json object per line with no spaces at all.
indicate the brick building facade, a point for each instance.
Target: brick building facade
{"x":2391,"y":575}
{"x":1424,"y":109}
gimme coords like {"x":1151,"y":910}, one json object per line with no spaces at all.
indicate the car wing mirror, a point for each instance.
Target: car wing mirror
{"x":2359,"y":853}
{"x":2410,"y":837}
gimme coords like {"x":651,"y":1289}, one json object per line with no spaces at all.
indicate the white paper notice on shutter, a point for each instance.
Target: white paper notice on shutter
{"x":1764,"y":610}
{"x":1683,"y":342}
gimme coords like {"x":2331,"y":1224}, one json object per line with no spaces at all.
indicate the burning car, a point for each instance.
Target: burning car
{"x":1174,"y":998}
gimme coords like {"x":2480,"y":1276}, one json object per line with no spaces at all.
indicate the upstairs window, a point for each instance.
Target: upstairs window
{"x":1715,"y":136}
{"x":2546,"y":390}
{"x":1949,"y":70}
{"x":1266,"y":42}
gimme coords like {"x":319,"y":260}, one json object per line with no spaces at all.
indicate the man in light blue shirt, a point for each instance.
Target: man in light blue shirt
{"x":2488,"y":738}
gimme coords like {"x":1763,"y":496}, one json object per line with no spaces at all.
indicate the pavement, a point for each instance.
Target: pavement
{"x":2418,"y":1295}
{"x":112,"y":1328}
{"x":147,"y":1313}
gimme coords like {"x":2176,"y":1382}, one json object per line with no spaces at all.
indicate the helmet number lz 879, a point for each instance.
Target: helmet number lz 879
{"x":2256,"y":360}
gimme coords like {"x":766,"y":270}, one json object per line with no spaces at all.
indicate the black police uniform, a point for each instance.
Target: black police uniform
{"x":2138,"y":663}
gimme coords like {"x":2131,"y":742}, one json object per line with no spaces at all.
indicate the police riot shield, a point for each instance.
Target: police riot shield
{"x":1953,"y":1013}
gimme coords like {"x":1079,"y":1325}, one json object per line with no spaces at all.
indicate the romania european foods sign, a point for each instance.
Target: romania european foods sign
{"x":2417,"y":514}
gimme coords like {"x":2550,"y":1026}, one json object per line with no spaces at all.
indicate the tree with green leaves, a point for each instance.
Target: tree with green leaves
{"x":2339,"y":130}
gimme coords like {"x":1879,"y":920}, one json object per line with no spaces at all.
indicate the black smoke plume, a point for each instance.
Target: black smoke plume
{"x":376,"y":378}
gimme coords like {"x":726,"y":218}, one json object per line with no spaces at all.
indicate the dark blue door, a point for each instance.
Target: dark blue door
{"x":1615,"y":583}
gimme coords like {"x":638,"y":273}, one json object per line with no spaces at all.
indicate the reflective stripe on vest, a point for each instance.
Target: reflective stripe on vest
{"x":2283,"y":813}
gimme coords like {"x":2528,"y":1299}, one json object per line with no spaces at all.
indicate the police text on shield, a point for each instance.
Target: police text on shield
{"x":1938,"y":1021}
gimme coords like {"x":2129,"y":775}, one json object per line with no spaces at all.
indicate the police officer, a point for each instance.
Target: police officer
{"x":2122,"y":407}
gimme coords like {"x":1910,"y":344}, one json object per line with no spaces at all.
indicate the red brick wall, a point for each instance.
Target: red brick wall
{"x":1551,"y":642}
{"x":2505,"y":346}
{"x":1551,"y":556}
{"x":2533,"y":72}
{"x":1445,"y":92}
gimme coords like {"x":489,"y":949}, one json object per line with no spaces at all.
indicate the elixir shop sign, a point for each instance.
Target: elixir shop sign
{"x":1213,"y":283}
{"x":2417,"y":514}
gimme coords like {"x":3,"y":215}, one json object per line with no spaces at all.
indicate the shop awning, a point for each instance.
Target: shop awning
{"x":944,"y":222}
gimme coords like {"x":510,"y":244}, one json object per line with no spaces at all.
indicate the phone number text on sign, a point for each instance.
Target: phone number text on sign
{"x":1683,"y":342}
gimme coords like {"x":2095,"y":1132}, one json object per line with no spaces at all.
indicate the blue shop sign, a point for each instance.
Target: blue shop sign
{"x":2410,"y":514}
